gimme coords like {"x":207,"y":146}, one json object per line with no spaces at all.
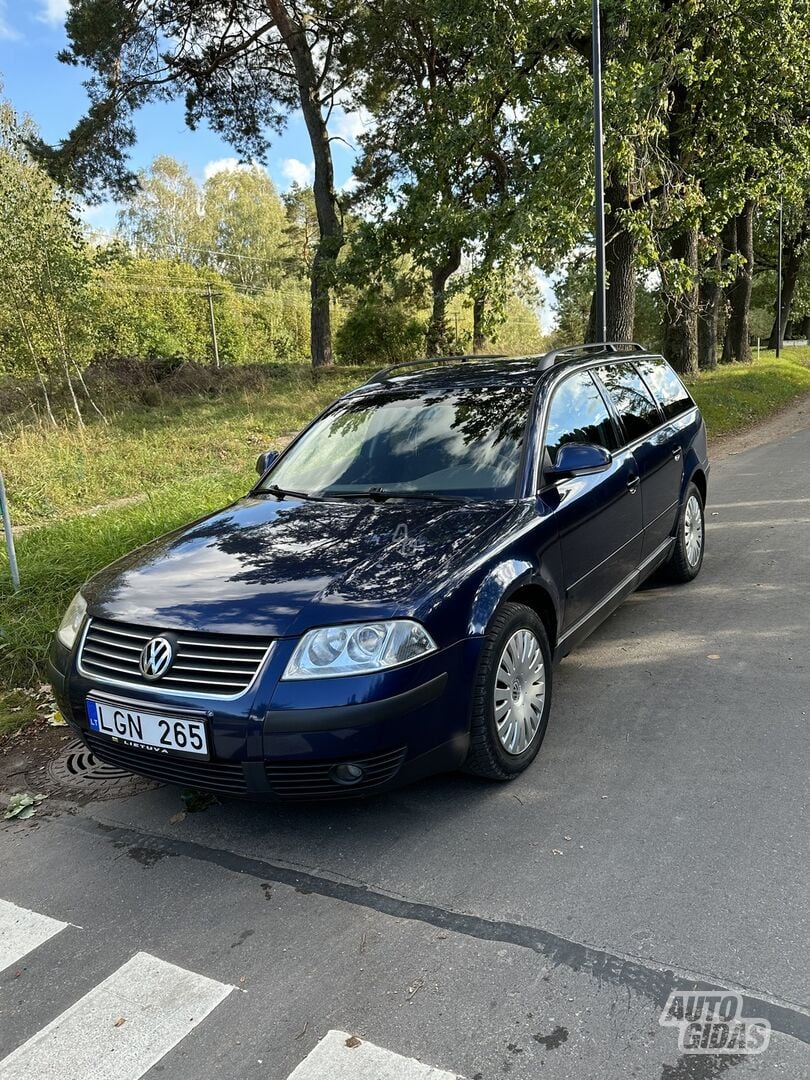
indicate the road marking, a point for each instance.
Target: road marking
{"x":22,"y":930}
{"x":121,"y":1028}
{"x":340,"y":1056}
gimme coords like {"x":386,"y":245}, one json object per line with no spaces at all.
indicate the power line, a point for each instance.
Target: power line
{"x":186,"y":247}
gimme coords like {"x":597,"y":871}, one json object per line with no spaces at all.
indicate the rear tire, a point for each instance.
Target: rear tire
{"x":511,"y":695}
{"x":690,"y":539}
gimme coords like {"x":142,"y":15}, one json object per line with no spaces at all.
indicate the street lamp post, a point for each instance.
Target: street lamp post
{"x":599,"y":176}
{"x":779,"y":281}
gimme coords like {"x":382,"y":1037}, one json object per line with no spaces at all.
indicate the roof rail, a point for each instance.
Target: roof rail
{"x":549,"y":359}
{"x":384,"y":373}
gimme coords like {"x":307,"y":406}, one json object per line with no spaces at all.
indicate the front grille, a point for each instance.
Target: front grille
{"x":218,"y":665}
{"x":314,"y":780}
{"x":219,"y":776}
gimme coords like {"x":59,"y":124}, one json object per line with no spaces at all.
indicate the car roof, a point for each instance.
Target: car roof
{"x":475,"y":370}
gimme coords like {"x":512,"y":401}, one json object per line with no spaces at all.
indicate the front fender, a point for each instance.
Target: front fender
{"x":503,"y":581}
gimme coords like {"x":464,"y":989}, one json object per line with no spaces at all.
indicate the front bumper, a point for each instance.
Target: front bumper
{"x":282,"y":740}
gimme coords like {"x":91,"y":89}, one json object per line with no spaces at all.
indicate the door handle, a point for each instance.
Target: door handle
{"x":676,"y":453}
{"x":632,"y":485}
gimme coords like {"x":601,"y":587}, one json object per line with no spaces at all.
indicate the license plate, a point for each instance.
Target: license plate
{"x":131,"y":726}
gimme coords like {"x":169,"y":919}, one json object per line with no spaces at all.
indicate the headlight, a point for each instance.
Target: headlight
{"x":69,"y":627}
{"x":358,"y":649}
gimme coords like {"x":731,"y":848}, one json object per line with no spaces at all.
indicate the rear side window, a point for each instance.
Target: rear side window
{"x":672,"y":395}
{"x":633,"y":401}
{"x":578,"y":414}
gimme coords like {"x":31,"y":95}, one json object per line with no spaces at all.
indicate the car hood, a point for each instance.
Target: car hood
{"x":277,"y":567}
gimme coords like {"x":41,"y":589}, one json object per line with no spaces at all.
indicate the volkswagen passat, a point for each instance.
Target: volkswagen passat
{"x":390,"y":598}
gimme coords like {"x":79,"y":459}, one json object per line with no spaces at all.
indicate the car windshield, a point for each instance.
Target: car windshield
{"x":463,"y":441}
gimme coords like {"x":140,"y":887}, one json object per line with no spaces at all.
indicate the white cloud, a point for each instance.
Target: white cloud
{"x":350,"y":125}
{"x":225,"y":164}
{"x":53,"y":12}
{"x":7,"y":33}
{"x":297,"y":172}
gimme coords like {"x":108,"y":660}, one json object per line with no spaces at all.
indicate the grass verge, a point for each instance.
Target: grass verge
{"x":210,"y":444}
{"x":734,"y":396}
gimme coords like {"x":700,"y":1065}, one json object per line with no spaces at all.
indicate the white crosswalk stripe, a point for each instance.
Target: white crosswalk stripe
{"x":339,"y":1056}
{"x":22,"y":930}
{"x":121,"y":1028}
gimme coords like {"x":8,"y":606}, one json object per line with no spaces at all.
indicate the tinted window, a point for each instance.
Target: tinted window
{"x":672,"y":395}
{"x":578,"y":414}
{"x":464,"y":440}
{"x":632,"y":399}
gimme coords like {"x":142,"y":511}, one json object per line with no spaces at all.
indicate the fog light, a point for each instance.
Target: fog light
{"x":347,"y":773}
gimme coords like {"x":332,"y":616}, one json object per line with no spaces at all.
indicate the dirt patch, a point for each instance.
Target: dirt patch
{"x":796,"y":417}
{"x":24,"y":757}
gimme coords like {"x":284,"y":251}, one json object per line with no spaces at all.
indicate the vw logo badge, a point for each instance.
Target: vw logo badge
{"x":156,"y":658}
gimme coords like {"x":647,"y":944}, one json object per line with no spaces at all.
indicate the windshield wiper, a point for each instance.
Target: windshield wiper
{"x":383,"y":494}
{"x":279,"y":492}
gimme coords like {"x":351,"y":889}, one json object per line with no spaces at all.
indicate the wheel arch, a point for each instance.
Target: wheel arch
{"x":698,"y":478}
{"x":520,"y":583}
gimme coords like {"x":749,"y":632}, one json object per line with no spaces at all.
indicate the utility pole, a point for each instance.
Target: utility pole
{"x":12,"y":555}
{"x":779,"y":281}
{"x":212,"y":324}
{"x":599,"y":174}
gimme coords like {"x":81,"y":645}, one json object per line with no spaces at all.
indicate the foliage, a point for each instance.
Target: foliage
{"x":235,"y":223}
{"x":380,"y":330}
{"x":43,"y":262}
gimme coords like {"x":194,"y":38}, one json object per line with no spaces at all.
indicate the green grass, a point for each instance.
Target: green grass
{"x":190,"y":456}
{"x":51,"y":473}
{"x":734,"y":396}
{"x":17,"y":710}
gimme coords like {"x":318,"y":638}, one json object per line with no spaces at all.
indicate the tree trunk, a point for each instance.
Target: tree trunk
{"x":40,"y":377}
{"x":479,"y":338}
{"x":709,"y":310}
{"x":438,"y":337}
{"x":620,"y":268}
{"x":793,"y":254}
{"x":736,"y":346}
{"x":805,"y":331}
{"x":681,"y":309}
{"x":330,"y":225}
{"x":620,"y":264}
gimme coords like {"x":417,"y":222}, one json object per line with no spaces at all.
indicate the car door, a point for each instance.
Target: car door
{"x":598,"y":515}
{"x":655,"y":446}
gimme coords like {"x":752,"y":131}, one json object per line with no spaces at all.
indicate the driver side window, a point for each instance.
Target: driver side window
{"x":578,"y":414}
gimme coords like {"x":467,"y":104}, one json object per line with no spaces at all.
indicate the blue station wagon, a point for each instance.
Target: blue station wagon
{"x":390,"y":599}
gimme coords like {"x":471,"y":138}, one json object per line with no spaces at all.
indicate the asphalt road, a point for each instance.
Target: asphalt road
{"x":525,"y":931}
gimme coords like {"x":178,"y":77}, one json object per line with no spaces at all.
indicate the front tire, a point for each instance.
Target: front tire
{"x":511,"y":696}
{"x":690,"y":539}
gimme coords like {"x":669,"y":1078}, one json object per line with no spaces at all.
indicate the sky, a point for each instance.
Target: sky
{"x":51,"y":93}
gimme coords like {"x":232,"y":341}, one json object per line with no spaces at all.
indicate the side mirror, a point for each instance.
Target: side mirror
{"x":265,"y":460}
{"x":579,"y":459}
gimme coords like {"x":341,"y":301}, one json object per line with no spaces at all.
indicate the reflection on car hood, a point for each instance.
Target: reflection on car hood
{"x":275,"y":567}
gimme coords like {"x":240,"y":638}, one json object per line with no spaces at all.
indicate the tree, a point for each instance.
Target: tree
{"x":244,"y":217}
{"x":794,"y":258}
{"x":244,"y":67}
{"x":43,"y":265}
{"x":163,"y":219}
{"x":301,"y":229}
{"x":445,"y":175}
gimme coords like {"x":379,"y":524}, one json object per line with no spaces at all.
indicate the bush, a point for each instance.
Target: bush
{"x":379,"y":331}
